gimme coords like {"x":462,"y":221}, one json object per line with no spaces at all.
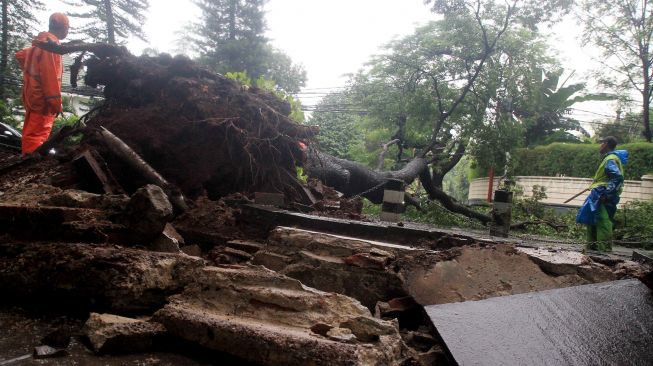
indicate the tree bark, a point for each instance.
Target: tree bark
{"x":384,"y":150}
{"x":4,"y":56}
{"x":111,"y":36}
{"x":646,"y":96}
{"x":449,"y":203}
{"x":125,"y":153}
{"x":101,"y":50}
{"x":354,"y":179}
{"x":232,"y":19}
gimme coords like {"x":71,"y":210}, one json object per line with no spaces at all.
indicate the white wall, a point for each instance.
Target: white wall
{"x":560,"y":189}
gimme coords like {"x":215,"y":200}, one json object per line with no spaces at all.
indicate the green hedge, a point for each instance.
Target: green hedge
{"x":576,"y":160}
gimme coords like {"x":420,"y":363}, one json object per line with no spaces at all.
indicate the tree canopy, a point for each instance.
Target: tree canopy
{"x":229,"y":37}
{"x":111,"y":21}
{"x":623,"y":31}
{"x":453,"y":86}
{"x":18,"y":22}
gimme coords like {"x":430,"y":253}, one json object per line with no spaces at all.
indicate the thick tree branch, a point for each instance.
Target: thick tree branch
{"x":384,"y":149}
{"x":99,"y":49}
{"x":449,"y":203}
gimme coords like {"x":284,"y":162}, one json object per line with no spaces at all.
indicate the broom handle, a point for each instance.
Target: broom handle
{"x":577,"y":194}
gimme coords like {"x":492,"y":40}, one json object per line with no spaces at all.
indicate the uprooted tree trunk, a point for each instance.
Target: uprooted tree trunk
{"x":205,"y":133}
{"x":354,"y":179}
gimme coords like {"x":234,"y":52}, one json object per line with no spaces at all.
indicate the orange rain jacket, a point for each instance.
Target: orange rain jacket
{"x":42,"y":72}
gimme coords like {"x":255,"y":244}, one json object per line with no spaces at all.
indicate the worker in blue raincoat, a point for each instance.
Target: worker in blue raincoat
{"x":600,"y":206}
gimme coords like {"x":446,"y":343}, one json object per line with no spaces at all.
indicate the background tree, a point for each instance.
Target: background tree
{"x":229,"y":37}
{"x":544,"y":108}
{"x":439,"y":89}
{"x":623,"y":127}
{"x":340,"y":134}
{"x":623,"y":30}
{"x":18,"y":22}
{"x":110,"y":21}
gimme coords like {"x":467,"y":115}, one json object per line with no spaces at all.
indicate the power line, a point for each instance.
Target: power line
{"x":591,"y":112}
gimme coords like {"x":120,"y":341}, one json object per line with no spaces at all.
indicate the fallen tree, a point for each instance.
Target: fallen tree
{"x":207,"y":134}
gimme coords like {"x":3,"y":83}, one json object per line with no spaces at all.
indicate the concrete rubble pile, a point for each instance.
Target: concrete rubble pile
{"x":279,"y":296}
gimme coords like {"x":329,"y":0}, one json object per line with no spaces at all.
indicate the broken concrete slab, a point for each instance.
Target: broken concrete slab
{"x":81,"y":199}
{"x":408,"y":234}
{"x":264,"y":317}
{"x":354,"y":267}
{"x":369,"y":329}
{"x":271,"y":260}
{"x":560,"y":262}
{"x":83,"y":275}
{"x":58,"y":224}
{"x":344,"y":335}
{"x":111,"y":334}
{"x":556,"y":262}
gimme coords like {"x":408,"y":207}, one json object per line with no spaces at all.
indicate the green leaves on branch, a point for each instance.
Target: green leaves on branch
{"x":261,"y":82}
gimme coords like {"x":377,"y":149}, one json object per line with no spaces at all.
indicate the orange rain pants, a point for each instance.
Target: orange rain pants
{"x":42,"y":72}
{"x":36,"y":130}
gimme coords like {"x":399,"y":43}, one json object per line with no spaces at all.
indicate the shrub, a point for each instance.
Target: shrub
{"x":634,"y":224}
{"x":575,"y":160}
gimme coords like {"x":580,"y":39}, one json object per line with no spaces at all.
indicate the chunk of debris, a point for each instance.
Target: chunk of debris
{"x":244,"y":310}
{"x":344,"y":335}
{"x":354,"y":267}
{"x":192,"y":250}
{"x":48,"y":352}
{"x":245,"y":245}
{"x":226,"y":255}
{"x":369,"y":329}
{"x":113,"y":334}
{"x":147,"y":213}
{"x":169,"y":241}
{"x":107,"y":277}
{"x":59,"y":338}
{"x":405,"y":309}
{"x":82,"y":199}
{"x":556,"y":262}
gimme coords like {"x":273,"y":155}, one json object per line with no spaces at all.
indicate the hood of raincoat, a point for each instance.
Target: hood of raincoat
{"x":622,"y":155}
{"x":45,"y":37}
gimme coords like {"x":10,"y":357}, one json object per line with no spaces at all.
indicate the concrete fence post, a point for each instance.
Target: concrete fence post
{"x":647,"y":187}
{"x":501,"y":213}
{"x":393,"y":200}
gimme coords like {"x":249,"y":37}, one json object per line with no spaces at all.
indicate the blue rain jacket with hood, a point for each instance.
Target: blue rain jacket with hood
{"x":605,"y":189}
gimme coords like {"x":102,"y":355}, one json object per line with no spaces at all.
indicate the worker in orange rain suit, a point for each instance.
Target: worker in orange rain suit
{"x":42,"y":72}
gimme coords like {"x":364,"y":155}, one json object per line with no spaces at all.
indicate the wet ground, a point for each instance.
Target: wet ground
{"x":599,"y":324}
{"x":21,"y":331}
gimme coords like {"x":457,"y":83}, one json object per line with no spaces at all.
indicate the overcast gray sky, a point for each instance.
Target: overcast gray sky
{"x":334,"y":37}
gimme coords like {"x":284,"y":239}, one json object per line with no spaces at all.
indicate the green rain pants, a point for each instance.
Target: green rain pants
{"x":599,"y":236}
